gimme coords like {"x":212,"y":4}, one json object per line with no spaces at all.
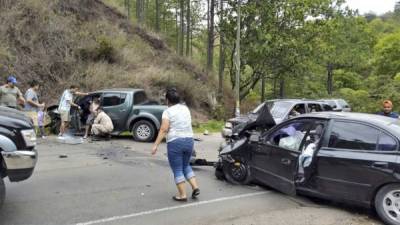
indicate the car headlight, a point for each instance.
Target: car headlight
{"x":228,"y":125}
{"x":29,"y":137}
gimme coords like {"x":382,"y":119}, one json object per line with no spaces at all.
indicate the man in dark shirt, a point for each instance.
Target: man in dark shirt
{"x":387,"y":110}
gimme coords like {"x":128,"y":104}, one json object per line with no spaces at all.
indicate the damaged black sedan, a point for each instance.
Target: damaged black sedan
{"x":350,"y":157}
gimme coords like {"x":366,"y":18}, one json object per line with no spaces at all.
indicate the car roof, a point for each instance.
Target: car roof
{"x":332,"y":99}
{"x":388,"y":123}
{"x":296,"y":101}
{"x":119,"y":90}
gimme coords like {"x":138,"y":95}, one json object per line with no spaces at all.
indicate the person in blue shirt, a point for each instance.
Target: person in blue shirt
{"x":388,"y":110}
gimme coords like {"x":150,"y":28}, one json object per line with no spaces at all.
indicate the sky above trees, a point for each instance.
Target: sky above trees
{"x":376,"y":6}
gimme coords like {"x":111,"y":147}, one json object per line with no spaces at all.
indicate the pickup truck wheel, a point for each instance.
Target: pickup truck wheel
{"x":55,"y":126}
{"x":387,"y":204}
{"x":2,"y":191}
{"x":143,"y":131}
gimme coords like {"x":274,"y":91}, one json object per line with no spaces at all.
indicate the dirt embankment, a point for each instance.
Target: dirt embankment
{"x":85,"y":42}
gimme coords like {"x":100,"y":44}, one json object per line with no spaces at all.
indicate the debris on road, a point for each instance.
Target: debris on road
{"x":202,"y":162}
{"x":69,"y":140}
{"x":63,"y":156}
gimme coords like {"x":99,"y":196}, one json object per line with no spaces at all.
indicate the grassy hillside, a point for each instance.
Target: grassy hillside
{"x":85,"y":42}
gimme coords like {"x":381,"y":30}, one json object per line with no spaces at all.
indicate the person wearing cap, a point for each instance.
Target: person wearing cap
{"x":10,"y":94}
{"x":388,"y":110}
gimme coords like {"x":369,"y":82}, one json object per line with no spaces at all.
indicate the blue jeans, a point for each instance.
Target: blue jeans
{"x":179,"y":153}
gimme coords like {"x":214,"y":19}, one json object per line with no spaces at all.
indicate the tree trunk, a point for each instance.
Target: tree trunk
{"x":177,"y":29}
{"x":158,"y":15}
{"x":188,"y":29}
{"x":262,"y":88}
{"x":221,"y":53}
{"x":127,"y":4}
{"x":139,"y":11}
{"x":182,"y":23}
{"x":329,"y":69}
{"x":282,"y":87}
{"x":145,"y":9}
{"x":191,"y":41}
{"x":275,"y":86}
{"x":210,"y":45}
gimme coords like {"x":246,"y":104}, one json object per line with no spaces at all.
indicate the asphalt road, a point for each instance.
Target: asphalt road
{"x":119,"y":182}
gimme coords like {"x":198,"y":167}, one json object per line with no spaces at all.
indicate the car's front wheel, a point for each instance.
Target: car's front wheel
{"x":237,"y":172}
{"x":2,"y":191}
{"x":387,"y":204}
{"x":143,"y":131}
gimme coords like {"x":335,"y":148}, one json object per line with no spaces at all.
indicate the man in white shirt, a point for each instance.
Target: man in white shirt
{"x":66,"y":101}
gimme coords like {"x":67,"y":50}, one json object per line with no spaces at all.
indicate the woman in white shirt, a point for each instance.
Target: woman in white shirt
{"x":177,"y":127}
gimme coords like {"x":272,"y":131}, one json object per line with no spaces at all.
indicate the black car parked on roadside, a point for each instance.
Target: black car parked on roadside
{"x":355,"y":159}
{"x":17,"y":147}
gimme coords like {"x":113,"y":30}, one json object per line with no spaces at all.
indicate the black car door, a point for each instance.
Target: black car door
{"x":275,"y":158}
{"x":354,"y":160}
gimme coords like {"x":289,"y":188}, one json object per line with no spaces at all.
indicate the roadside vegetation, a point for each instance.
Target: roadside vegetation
{"x":211,"y":126}
{"x":289,"y":48}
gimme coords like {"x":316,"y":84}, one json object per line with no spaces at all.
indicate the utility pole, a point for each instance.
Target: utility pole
{"x":237,"y":83}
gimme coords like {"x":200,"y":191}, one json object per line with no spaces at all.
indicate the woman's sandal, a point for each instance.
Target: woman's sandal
{"x":179,"y":199}
{"x":195,"y":193}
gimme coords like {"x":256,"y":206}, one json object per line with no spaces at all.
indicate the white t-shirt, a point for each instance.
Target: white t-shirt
{"x":180,"y":122}
{"x":65,"y":104}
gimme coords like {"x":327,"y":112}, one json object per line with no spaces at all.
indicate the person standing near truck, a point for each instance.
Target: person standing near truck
{"x":32,"y":104}
{"x":10,"y":94}
{"x":102,"y":125}
{"x":66,"y":102}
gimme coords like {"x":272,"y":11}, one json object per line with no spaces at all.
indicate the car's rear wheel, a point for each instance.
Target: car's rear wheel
{"x":237,"y":172}
{"x":2,"y":191}
{"x":143,"y":131}
{"x":387,"y":204}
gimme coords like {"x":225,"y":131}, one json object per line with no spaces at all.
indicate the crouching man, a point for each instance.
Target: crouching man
{"x":102,"y":126}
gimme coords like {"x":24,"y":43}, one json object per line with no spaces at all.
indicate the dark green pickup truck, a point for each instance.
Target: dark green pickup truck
{"x":129,"y":109}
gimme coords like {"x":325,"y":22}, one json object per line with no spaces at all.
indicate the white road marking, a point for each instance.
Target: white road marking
{"x":114,"y":218}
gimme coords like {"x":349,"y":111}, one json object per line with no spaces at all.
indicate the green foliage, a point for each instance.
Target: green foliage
{"x":105,"y":50}
{"x":219,"y":113}
{"x":387,"y":55}
{"x":347,"y":79}
{"x":212,"y":126}
{"x":358,"y":99}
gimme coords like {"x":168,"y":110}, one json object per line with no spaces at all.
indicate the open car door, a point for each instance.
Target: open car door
{"x":79,"y":117}
{"x":275,"y":158}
